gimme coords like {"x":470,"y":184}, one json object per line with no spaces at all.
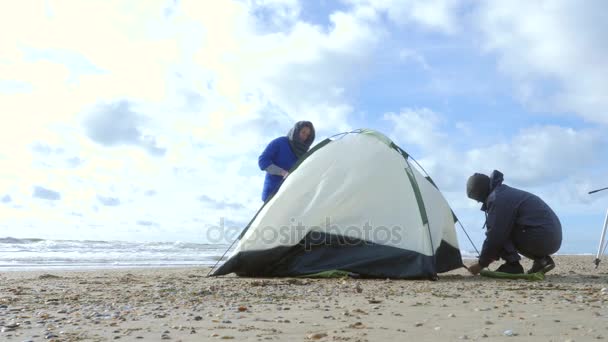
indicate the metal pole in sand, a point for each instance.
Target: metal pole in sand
{"x":602,"y":246}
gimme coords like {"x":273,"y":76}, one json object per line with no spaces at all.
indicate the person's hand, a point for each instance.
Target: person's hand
{"x":475,"y":268}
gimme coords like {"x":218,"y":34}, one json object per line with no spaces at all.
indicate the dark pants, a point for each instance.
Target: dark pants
{"x":531,"y":243}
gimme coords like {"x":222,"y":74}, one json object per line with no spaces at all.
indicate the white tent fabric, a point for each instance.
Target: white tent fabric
{"x":359,"y":186}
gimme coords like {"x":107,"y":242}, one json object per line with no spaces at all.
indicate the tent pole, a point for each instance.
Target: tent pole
{"x":601,"y":248}
{"x":598,"y":190}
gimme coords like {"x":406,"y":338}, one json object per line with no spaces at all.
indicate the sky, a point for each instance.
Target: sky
{"x":143,"y":120}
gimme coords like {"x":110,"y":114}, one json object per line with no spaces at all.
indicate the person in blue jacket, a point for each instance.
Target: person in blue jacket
{"x":518,"y":222}
{"x":282,"y":153}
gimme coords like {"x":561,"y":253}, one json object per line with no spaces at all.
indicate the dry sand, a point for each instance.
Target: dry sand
{"x":184,"y":305}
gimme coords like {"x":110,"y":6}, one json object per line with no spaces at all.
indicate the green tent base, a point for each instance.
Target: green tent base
{"x":501,"y":275}
{"x":328,"y":274}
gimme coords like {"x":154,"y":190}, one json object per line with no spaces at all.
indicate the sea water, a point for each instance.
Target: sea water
{"x":41,"y":254}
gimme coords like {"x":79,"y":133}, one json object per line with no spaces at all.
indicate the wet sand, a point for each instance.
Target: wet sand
{"x":184,"y":305}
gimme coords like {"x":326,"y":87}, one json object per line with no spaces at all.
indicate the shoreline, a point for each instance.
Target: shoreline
{"x":182,"y":304}
{"x":68,"y":267}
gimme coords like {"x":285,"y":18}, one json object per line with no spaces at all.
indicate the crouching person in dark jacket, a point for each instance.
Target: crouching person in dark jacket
{"x":518,"y":222}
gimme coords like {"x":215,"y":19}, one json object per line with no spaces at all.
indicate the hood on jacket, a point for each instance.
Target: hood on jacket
{"x":300,"y":147}
{"x":480,"y":186}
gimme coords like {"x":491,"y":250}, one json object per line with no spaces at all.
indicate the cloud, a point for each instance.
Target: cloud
{"x":193,"y":100}
{"x":220,"y":204}
{"x":45,"y":149}
{"x":117,"y":124}
{"x":415,"y":57}
{"x":555,"y":51}
{"x":420,"y":127}
{"x":275,"y":15}
{"x":6,"y":199}
{"x":543,"y":154}
{"x":147,"y":223}
{"x":535,"y":156}
{"x":75,"y":64}
{"x":302,"y":70}
{"x":74,"y":162}
{"x":47,"y":194}
{"x":436,"y":15}
{"x":108,"y":201}
{"x":150,"y":193}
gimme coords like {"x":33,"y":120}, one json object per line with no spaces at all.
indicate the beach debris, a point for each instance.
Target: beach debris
{"x":357,"y":325}
{"x":260,"y":283}
{"x":198,"y":318}
{"x":296,"y":282}
{"x":49,"y":335}
{"x":451,"y":315}
{"x":509,"y":332}
{"x":375,"y":301}
{"x":10,"y":327}
{"x":418,"y":324}
{"x":48,"y":276}
{"x":242,"y":308}
{"x":316,"y":336}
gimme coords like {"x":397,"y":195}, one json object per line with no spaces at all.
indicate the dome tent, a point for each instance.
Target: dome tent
{"x":354,"y":203}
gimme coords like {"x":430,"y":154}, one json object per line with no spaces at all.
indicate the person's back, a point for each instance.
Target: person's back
{"x":532,"y":213}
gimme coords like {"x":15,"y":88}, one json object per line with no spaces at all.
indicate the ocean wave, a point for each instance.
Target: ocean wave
{"x":15,"y":240}
{"x":15,"y":252}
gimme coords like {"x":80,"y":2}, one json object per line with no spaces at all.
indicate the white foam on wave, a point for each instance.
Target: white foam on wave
{"x":34,"y":253}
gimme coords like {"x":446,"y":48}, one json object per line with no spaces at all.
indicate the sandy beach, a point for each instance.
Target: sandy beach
{"x":184,"y":305}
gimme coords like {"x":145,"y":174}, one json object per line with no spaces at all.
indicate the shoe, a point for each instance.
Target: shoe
{"x":511,"y":267}
{"x":542,"y":265}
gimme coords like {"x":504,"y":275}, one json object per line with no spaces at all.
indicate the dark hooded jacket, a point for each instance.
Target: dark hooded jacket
{"x":511,"y":212}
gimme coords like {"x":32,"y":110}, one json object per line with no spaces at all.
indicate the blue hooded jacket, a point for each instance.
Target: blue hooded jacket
{"x":284,"y":152}
{"x":279,"y":153}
